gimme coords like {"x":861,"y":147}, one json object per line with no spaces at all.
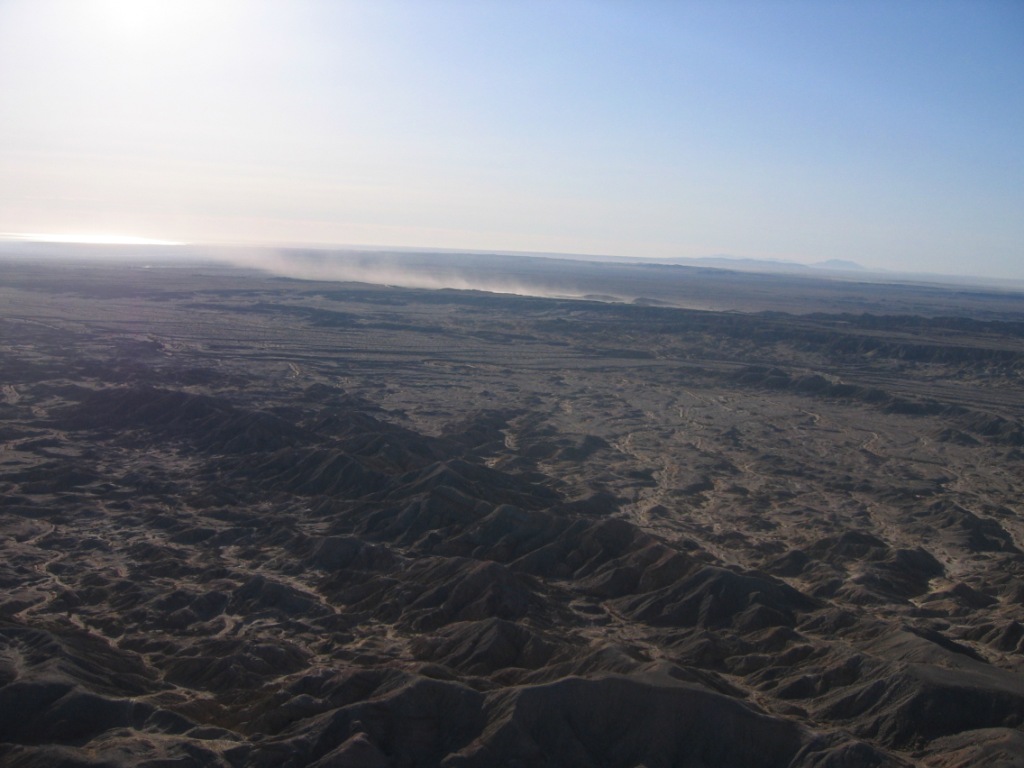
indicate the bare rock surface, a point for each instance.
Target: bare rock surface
{"x":256,"y":522}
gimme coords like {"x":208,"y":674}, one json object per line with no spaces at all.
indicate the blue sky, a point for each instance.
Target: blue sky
{"x":889,"y":133}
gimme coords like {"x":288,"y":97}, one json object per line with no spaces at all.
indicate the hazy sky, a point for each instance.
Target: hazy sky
{"x":889,"y":133}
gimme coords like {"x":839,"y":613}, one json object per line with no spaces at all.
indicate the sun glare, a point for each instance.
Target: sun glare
{"x":133,"y":18}
{"x":156,"y":20}
{"x":87,"y":239}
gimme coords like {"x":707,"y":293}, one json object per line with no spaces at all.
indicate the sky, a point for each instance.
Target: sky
{"x":886,"y":133}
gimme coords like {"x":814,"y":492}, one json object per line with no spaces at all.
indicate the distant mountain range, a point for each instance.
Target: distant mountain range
{"x":839,"y":264}
{"x":772,"y":265}
{"x":259,"y":256}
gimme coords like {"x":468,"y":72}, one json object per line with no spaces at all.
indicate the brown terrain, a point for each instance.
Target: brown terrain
{"x":254,"y":521}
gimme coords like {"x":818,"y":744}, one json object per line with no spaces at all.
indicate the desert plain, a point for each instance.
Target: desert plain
{"x":681,"y":518}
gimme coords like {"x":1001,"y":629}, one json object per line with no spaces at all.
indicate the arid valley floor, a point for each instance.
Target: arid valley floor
{"x":254,"y":521}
